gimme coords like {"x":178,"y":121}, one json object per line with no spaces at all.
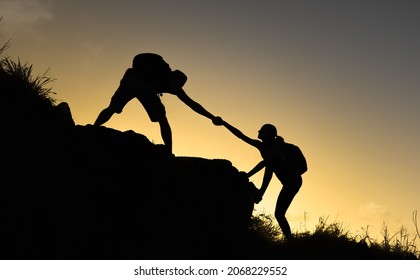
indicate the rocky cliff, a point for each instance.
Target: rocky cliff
{"x":95,"y":192}
{"x":83,"y":192}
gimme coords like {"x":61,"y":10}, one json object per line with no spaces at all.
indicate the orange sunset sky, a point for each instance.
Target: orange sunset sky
{"x":338,"y":78}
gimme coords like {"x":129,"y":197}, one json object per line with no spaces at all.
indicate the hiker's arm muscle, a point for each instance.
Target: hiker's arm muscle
{"x":268,"y":174}
{"x":192,"y":104}
{"x":257,"y":168}
{"x":242,"y":136}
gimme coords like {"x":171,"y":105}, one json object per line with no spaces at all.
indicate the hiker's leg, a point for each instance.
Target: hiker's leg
{"x":157,"y":113}
{"x":166,"y":132}
{"x":283,"y":202}
{"x":118,"y":101}
{"x":104,"y":116}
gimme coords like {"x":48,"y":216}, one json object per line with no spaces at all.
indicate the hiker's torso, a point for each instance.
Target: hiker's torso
{"x":133,"y":83}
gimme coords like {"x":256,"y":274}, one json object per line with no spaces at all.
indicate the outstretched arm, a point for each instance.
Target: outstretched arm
{"x":240,"y":135}
{"x":178,"y":80}
{"x":256,"y":169}
{"x":192,"y":104}
{"x":268,"y":174}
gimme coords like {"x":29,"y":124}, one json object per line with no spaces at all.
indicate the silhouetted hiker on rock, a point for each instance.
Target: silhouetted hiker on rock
{"x":284,"y":159}
{"x":147,"y":80}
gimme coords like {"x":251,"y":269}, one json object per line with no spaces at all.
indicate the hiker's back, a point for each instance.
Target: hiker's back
{"x":295,"y":159}
{"x":286,"y":158}
{"x":131,"y":82}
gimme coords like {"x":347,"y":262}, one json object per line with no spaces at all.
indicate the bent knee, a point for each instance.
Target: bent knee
{"x":160,"y":118}
{"x":280,"y":214}
{"x":113,"y":109}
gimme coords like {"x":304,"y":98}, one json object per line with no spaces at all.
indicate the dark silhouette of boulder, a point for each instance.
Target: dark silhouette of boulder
{"x":83,"y":192}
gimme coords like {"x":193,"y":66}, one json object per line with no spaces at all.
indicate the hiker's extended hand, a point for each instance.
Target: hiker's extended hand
{"x":218,"y":121}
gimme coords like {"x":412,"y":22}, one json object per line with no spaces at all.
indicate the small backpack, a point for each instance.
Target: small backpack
{"x":295,"y":159}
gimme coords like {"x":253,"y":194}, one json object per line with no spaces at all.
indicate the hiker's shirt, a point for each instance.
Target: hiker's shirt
{"x":275,"y":158}
{"x":134,"y":86}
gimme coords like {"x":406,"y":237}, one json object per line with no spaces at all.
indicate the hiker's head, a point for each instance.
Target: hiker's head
{"x":267,"y":132}
{"x":152,"y":68}
{"x":178,"y":80}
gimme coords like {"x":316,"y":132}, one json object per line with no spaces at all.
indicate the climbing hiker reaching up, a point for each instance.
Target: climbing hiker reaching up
{"x":283,"y":159}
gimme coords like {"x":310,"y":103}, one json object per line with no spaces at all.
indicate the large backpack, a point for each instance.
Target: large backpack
{"x":295,"y":159}
{"x":154,"y":69}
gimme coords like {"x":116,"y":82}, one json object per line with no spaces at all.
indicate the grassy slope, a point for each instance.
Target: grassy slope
{"x":331,"y":241}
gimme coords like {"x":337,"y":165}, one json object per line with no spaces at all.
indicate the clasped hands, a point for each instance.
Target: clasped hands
{"x":218,"y":121}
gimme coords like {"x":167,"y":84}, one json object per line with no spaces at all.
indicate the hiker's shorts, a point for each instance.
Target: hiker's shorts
{"x":150,"y":101}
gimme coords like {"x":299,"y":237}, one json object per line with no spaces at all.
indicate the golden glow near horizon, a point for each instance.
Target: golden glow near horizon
{"x":339,"y":82}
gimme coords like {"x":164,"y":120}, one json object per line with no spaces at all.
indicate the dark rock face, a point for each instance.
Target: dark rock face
{"x":84,"y":192}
